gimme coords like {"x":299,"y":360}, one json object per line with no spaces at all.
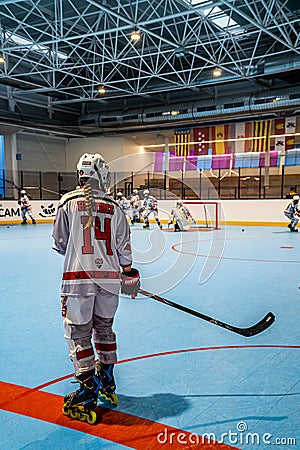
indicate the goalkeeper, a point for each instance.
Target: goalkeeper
{"x":181,"y":217}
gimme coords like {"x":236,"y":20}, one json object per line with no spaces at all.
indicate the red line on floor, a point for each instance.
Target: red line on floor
{"x":115,"y":426}
{"x":224,"y":347}
{"x":229,"y":257}
{"x":174,"y":352}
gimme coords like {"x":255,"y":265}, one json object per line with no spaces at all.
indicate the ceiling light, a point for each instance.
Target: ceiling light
{"x":135,"y":36}
{"x":101,"y":90}
{"x":217,"y":72}
{"x":180,"y":52}
{"x":2,"y":60}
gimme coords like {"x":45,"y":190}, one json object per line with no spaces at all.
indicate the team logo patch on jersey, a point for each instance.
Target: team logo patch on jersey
{"x":98,"y":262}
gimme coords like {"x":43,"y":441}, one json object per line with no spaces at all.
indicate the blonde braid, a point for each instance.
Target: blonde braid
{"x":89,"y":205}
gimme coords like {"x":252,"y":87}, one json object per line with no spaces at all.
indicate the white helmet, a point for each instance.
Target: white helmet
{"x":93,"y":167}
{"x":135,"y":191}
{"x":296,"y":198}
{"x":23,"y":192}
{"x":119,"y":194}
{"x":146,"y":192}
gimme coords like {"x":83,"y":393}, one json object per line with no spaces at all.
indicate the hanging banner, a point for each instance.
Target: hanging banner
{"x":201,"y":138}
{"x":290,"y":130}
{"x":220,"y":136}
{"x":182,"y":141}
{"x":261,"y":134}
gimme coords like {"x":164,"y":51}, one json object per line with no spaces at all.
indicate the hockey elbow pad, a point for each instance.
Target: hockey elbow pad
{"x":130,"y":282}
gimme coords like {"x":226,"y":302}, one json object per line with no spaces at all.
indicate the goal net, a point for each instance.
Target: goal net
{"x":205,"y":213}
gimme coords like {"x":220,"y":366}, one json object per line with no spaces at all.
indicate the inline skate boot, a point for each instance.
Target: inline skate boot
{"x":107,"y":385}
{"x":81,"y":404}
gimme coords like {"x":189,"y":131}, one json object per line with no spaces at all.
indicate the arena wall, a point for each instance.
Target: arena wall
{"x":231,"y":212}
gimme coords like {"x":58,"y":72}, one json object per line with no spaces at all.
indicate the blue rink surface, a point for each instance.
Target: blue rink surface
{"x":192,"y":375}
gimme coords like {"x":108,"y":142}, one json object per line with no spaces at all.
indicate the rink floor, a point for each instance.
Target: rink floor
{"x":178,"y":377}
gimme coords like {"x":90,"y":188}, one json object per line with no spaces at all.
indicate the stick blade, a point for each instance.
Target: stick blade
{"x":261,"y":326}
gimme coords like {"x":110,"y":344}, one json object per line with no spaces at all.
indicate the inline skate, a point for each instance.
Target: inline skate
{"x":82,"y":403}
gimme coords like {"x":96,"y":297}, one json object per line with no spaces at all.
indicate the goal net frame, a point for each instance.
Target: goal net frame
{"x":205,"y":212}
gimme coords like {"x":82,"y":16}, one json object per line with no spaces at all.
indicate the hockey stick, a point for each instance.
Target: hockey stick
{"x":260,"y":326}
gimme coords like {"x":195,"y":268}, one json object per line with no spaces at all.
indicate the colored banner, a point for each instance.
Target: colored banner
{"x":204,"y":162}
{"x":201,"y":138}
{"x":246,"y":160}
{"x":182,"y":138}
{"x":221,"y":162}
{"x":191,"y":163}
{"x":220,"y":136}
{"x":176,"y":163}
{"x":274,"y":159}
{"x":261,"y":132}
{"x":279,"y":131}
{"x":240,"y":131}
{"x":290,"y":129}
{"x":159,"y":160}
{"x":292,"y":158}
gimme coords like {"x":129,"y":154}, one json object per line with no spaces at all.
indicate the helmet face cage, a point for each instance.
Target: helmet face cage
{"x":93,"y":167}
{"x":146,"y":192}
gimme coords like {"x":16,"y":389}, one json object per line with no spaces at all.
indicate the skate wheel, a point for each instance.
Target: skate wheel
{"x":91,"y":417}
{"x":82,"y":417}
{"x":65,"y":410}
{"x":114,"y":399}
{"x":73,"y":414}
{"x":111,"y":399}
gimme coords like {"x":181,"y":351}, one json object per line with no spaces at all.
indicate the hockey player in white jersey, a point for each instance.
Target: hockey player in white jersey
{"x":93,"y":234}
{"x":26,"y":208}
{"x":123,"y":203}
{"x":150,"y":206}
{"x":181,"y":217}
{"x":135,"y":202}
{"x":292,"y":212}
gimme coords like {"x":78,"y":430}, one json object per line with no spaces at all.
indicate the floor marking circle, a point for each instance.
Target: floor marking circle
{"x":230,"y":258}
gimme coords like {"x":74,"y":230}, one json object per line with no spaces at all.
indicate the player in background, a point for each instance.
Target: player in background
{"x":123,"y":203}
{"x":292,"y":192}
{"x":150,"y":206}
{"x":26,"y":208}
{"x":181,"y":217}
{"x":93,"y":234}
{"x":134,"y":200}
{"x":292,"y":212}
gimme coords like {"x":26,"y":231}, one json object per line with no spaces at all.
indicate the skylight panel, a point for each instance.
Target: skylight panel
{"x":30,"y":45}
{"x":218,"y":17}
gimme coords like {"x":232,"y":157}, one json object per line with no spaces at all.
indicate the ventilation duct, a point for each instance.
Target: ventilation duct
{"x":192,"y":112}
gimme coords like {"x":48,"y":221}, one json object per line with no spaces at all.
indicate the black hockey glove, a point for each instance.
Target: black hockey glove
{"x":130,"y":282}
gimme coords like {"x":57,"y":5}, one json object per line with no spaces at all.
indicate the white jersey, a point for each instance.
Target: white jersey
{"x":93,"y":256}
{"x":25,"y":203}
{"x":135,"y":200}
{"x":150,"y":203}
{"x":182,"y":216}
{"x":123,"y":203}
{"x":292,"y":210}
